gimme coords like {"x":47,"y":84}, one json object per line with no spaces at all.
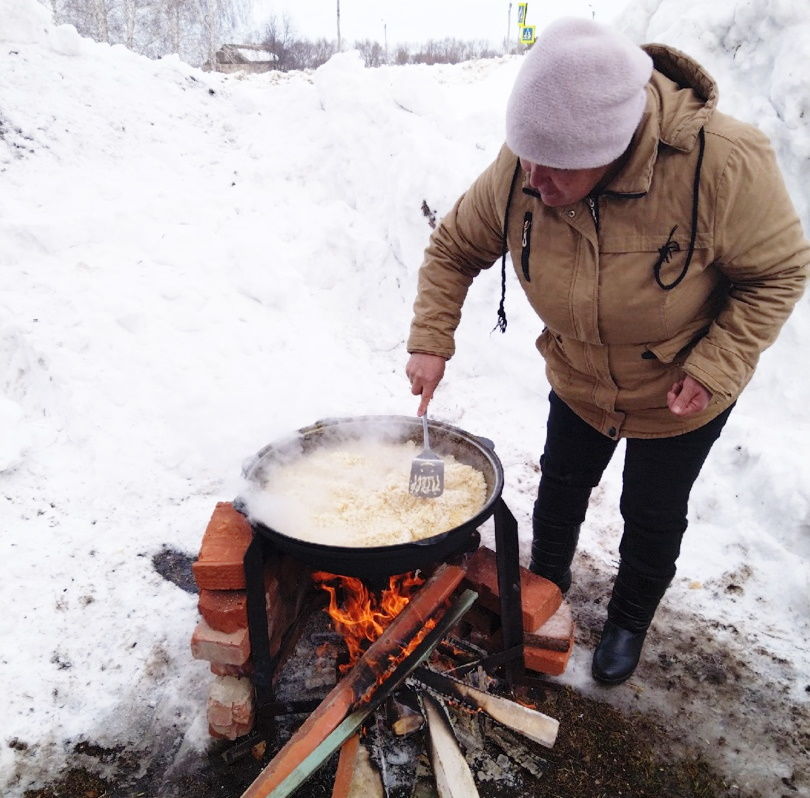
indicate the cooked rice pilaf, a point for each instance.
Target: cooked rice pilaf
{"x":356,"y":494}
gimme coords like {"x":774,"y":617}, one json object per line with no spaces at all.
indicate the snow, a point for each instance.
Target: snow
{"x":194,"y":265}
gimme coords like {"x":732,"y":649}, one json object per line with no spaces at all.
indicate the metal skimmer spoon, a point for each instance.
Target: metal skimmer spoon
{"x":427,"y":471}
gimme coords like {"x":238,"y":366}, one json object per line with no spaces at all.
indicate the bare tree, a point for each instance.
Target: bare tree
{"x":211,"y":30}
{"x":279,"y":39}
{"x":372,"y":52}
{"x":101,"y":14}
{"x":451,"y":51}
{"x":80,"y":13}
{"x":130,"y":9}
{"x":304,"y":54}
{"x":322,"y":51}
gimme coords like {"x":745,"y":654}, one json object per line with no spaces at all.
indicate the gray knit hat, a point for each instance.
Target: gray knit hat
{"x":578,"y":97}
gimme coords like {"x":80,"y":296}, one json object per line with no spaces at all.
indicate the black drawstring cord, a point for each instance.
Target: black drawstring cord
{"x":665,"y":252}
{"x":501,"y":325}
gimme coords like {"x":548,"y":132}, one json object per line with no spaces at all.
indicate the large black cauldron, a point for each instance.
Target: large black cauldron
{"x":379,"y":561}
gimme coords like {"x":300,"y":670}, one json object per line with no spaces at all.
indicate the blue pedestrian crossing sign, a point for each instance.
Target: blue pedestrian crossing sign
{"x":528,"y":34}
{"x":522,"y":9}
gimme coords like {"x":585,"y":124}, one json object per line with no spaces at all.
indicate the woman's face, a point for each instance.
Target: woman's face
{"x":559,"y":187}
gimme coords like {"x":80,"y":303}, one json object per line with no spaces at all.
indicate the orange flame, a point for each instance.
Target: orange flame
{"x":361,"y":615}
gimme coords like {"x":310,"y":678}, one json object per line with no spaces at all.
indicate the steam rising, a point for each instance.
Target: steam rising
{"x":354,"y":492}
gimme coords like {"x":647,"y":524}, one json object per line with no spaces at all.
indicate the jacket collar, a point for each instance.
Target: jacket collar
{"x":681,"y":98}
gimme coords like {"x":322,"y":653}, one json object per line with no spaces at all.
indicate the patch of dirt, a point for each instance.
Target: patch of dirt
{"x":76,"y":783}
{"x":175,"y":567}
{"x":94,"y":773}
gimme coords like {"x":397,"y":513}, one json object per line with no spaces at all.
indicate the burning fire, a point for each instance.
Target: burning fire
{"x":361,"y":615}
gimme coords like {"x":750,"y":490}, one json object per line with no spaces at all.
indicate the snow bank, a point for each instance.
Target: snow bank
{"x":194,"y":265}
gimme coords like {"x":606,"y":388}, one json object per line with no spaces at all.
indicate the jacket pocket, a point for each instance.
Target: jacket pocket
{"x":526,"y":243}
{"x":676,"y":349}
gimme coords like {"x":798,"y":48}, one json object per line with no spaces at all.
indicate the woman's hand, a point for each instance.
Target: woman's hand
{"x":687,"y":397}
{"x":425,"y":373}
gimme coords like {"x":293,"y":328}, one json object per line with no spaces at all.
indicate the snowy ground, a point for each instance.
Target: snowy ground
{"x":194,"y":265}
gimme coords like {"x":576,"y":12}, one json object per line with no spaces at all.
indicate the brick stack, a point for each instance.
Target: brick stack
{"x":547,"y":622}
{"x":222,"y":637}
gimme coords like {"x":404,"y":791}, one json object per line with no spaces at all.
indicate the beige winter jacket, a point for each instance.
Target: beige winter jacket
{"x":615,"y":339}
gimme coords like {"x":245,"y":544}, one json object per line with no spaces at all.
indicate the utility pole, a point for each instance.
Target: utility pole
{"x":338,"y":25}
{"x":385,"y":39}
{"x":508,"y":31}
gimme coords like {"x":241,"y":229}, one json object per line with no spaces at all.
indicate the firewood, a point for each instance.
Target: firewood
{"x":366,"y":782}
{"x":345,"y":768}
{"x":403,"y":713}
{"x":555,"y":633}
{"x":356,"y":776}
{"x":450,"y":769}
{"x":357,"y":718}
{"x":361,"y":681}
{"x":529,"y":722}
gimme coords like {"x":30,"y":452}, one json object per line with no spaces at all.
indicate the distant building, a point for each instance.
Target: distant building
{"x":243,"y":58}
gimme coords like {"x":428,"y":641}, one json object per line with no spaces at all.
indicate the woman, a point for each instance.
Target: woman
{"x":655,"y":240}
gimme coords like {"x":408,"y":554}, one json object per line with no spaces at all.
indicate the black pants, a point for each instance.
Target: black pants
{"x":657,"y":479}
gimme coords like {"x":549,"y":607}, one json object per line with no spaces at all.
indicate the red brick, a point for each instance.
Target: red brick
{"x":556,"y":633}
{"x":219,"y":669}
{"x":230,"y":700}
{"x":225,"y":649}
{"x":227,"y":536}
{"x":231,"y":707}
{"x":232,"y":732}
{"x":544,"y":660}
{"x":224,"y":610}
{"x":540,"y":598}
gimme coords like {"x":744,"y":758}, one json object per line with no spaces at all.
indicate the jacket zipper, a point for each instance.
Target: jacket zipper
{"x":593,"y":204}
{"x":526,"y":242}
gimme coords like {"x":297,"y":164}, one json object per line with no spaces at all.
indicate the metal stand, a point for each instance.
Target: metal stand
{"x":507,"y":560}
{"x":264,"y":664}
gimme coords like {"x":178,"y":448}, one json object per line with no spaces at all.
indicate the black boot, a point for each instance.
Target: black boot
{"x":630,"y":613}
{"x":553,"y":548}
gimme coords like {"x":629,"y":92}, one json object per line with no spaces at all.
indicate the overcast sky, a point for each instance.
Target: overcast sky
{"x":420,"y":20}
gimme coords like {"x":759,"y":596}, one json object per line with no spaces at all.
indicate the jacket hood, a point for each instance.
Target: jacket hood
{"x":681,"y":112}
{"x":681,"y":98}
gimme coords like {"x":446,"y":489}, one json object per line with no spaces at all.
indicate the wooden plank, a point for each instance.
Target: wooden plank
{"x":529,"y":722}
{"x":450,"y":768}
{"x":345,"y":769}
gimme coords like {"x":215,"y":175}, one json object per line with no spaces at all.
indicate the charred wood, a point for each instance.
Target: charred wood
{"x":403,"y":713}
{"x":395,"y":757}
